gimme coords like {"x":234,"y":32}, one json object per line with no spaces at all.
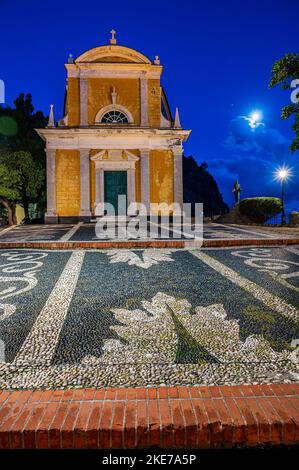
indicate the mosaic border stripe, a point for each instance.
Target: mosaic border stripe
{"x":41,"y":342}
{"x":271,"y":301}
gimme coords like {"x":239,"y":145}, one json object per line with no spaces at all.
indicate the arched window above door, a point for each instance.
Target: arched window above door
{"x":114,"y":117}
{"x":114,"y":114}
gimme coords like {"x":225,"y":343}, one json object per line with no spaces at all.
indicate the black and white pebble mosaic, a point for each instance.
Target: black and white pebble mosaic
{"x":143,"y":317}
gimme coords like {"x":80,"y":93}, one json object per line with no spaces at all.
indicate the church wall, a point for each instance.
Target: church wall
{"x":138,"y":89}
{"x":154,"y":103}
{"x":68,"y":182}
{"x":128,"y":95}
{"x":99,"y":95}
{"x":73,"y":101}
{"x":161,"y":176}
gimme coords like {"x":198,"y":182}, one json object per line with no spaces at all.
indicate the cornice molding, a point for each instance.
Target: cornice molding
{"x":182,"y":134}
{"x":104,"y":70}
{"x":109,"y":50}
{"x":126,"y":139}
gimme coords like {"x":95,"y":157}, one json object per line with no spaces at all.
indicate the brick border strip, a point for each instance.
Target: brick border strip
{"x":248,"y":242}
{"x":69,"y":245}
{"x":164,"y":417}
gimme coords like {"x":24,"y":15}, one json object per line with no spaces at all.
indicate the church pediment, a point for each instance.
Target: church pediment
{"x":113,"y":53}
{"x":115,"y":156}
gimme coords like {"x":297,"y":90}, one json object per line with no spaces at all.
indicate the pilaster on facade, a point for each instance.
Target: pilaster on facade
{"x":51,"y":184}
{"x":84,"y":183}
{"x":177,"y":151}
{"x":83,"y":101}
{"x":131,"y":176}
{"x":144,"y":101}
{"x":99,"y":191}
{"x":145,"y":177}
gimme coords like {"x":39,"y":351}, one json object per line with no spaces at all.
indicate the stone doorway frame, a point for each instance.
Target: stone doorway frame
{"x":114,"y":160}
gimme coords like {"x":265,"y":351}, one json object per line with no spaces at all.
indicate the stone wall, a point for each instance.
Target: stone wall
{"x":161,"y":176}
{"x":68,"y":182}
{"x":154,"y":103}
{"x":128,"y":95}
{"x":99,"y":95}
{"x":73,"y":102}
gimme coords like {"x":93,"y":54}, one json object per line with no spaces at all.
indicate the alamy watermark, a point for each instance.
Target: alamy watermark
{"x":2,"y":351}
{"x":159,"y":221}
{"x":2,"y":92}
{"x":295,"y":93}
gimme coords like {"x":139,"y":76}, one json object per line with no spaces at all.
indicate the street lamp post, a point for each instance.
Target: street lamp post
{"x":283,"y":214}
{"x":282,"y":174}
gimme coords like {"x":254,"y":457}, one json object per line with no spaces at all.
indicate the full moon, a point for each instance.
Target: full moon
{"x":255,"y":116}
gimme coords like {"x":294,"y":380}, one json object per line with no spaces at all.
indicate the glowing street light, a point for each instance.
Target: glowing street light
{"x":282,"y":174}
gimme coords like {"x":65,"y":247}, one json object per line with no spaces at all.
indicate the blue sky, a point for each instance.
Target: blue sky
{"x":217,"y":57}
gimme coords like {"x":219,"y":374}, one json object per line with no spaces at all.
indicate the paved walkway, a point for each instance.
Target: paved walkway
{"x":186,"y":329}
{"x":86,"y":232}
{"x":148,"y":317}
{"x":84,"y":236}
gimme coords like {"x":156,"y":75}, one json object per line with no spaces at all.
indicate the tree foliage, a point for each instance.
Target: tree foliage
{"x":200,"y":186}
{"x":260,"y":209}
{"x":17,"y":126}
{"x":284,"y":71}
{"x":21,"y":182}
{"x":22,"y":156}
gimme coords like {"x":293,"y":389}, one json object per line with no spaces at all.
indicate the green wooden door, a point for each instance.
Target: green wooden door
{"x":115,"y":183}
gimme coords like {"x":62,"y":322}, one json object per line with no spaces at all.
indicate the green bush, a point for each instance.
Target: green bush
{"x":294,"y":219}
{"x":260,"y":209}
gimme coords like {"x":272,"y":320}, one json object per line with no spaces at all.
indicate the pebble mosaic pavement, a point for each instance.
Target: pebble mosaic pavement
{"x":22,"y":233}
{"x":148,"y":317}
{"x":86,"y":232}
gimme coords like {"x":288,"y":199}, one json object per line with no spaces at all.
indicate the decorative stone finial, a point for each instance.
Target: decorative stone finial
{"x":157,"y":60}
{"x":70,"y":59}
{"x":112,"y":39}
{"x":177,"y":122}
{"x":51,"y":122}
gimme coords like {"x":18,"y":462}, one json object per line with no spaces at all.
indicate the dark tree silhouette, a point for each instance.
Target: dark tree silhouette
{"x":285,"y":72}
{"x":17,"y":126}
{"x":18,"y":137}
{"x":200,"y":186}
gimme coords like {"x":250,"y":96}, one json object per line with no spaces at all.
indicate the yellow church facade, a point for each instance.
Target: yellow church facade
{"x":117,"y":137}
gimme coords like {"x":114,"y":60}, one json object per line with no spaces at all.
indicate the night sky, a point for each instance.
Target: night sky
{"x":217,"y":57}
